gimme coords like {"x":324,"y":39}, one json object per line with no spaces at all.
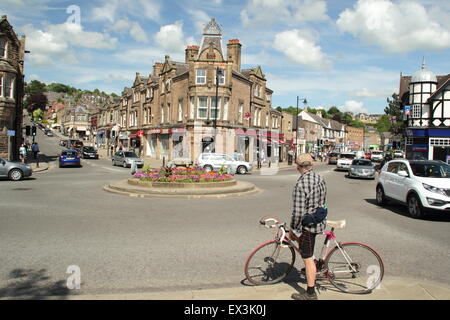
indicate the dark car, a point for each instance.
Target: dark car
{"x":69,"y":158}
{"x":89,"y":153}
{"x":333,"y":157}
{"x":75,"y":144}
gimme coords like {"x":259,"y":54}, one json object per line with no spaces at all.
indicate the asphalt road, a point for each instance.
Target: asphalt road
{"x":62,"y":217}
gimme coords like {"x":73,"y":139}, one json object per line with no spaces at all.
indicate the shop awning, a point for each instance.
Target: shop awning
{"x":81,"y":128}
{"x":132,"y":135}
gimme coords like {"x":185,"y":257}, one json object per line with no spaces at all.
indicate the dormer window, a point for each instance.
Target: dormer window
{"x":3,"y":48}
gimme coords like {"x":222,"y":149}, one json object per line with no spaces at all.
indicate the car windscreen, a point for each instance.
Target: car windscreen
{"x":347,"y":156}
{"x":89,"y":149}
{"x":334,"y":154}
{"x":362,"y":163}
{"x":377,"y":152}
{"x":128,"y":154}
{"x":69,"y":153}
{"x":431,"y":170}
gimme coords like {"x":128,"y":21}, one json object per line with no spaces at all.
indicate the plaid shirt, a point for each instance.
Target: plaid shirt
{"x":308,"y":195}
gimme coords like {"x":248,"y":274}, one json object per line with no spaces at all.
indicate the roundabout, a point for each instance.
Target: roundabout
{"x":182,"y":183}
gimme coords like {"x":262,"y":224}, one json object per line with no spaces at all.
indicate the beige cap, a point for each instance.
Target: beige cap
{"x":304,"y":160}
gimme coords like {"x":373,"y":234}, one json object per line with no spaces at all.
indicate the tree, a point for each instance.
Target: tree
{"x":394,"y":111}
{"x":38,"y":114}
{"x":383,"y":124}
{"x":333,"y":110}
{"x":37,"y":101}
{"x":35,"y":87}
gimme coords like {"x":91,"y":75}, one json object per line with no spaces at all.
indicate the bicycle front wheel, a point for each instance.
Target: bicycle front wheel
{"x":269,"y":263}
{"x":354,"y":268}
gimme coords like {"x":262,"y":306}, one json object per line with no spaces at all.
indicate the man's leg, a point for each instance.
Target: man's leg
{"x":306,"y":246}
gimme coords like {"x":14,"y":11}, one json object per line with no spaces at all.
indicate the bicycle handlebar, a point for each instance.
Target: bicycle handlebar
{"x":278,"y":225}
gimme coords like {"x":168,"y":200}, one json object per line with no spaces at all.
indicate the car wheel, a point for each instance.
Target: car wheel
{"x":124,"y":164}
{"x":415,"y":208}
{"x":381,"y":197}
{"x":208,"y":168}
{"x":242,"y":170}
{"x":15,"y":175}
{"x":113,"y":163}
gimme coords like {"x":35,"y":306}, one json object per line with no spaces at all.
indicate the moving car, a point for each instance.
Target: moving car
{"x":126,"y":158}
{"x":69,"y":157}
{"x":333,"y":157}
{"x":49,"y":133}
{"x":345,"y":161}
{"x":215,"y":161}
{"x":362,"y":168}
{"x":89,"y":152}
{"x":14,"y":171}
{"x":376,"y":156}
{"x":421,"y":185}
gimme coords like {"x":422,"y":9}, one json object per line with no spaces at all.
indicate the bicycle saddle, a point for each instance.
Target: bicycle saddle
{"x":336,"y":224}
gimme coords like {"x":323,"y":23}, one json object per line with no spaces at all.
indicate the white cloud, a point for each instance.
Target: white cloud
{"x":395,"y":27}
{"x":200,"y":18}
{"x":170,"y":37}
{"x":300,"y":47}
{"x":56,"y":42}
{"x":353,"y":106}
{"x":264,"y":12}
{"x":111,"y":9}
{"x":133,"y":28}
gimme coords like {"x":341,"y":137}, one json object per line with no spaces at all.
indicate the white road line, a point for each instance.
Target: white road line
{"x":116,"y":170}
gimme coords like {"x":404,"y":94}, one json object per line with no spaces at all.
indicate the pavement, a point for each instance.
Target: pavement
{"x":392,"y":288}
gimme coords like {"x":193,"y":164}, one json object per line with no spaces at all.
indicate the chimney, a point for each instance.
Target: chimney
{"x":319,"y":113}
{"x":191,"y":53}
{"x":157,"y":68}
{"x":234,"y":53}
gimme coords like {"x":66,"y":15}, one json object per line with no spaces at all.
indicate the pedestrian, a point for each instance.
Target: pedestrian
{"x":35,"y":149}
{"x":308,"y":219}
{"x":23,"y":153}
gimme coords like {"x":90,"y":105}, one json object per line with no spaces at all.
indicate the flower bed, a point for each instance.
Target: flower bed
{"x":182,"y":175}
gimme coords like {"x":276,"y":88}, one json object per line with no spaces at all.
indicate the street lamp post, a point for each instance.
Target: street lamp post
{"x":305,"y":103}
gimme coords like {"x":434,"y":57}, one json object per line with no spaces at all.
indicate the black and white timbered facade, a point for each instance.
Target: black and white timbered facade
{"x":426,"y":101}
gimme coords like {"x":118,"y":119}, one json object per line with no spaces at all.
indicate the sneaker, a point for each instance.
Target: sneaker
{"x":304,"y":296}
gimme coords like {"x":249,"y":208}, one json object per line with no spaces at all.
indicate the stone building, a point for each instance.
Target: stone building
{"x":12,"y":51}
{"x":180,"y":110}
{"x":355,"y":138}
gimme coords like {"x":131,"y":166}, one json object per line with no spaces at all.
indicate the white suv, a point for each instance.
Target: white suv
{"x":420,"y":184}
{"x":215,"y":161}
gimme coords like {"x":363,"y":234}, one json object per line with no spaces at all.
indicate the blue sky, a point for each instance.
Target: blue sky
{"x":347,"y":53}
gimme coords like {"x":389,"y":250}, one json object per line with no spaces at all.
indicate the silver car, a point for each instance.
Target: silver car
{"x":362,"y":168}
{"x":126,"y":158}
{"x":215,"y":161}
{"x":14,"y":170}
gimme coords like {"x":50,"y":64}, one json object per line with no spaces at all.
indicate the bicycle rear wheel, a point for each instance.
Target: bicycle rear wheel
{"x":354,"y":268}
{"x":269,"y":263}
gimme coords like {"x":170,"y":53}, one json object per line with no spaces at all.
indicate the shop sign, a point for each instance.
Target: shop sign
{"x":177,"y":130}
{"x":155,"y":131}
{"x":140,"y":133}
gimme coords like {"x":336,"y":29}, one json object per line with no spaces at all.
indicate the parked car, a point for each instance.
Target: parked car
{"x":75,"y":144}
{"x":126,"y":158}
{"x":398,"y":154}
{"x":49,"y":133}
{"x":14,"y":171}
{"x":63,"y":143}
{"x":376,"y":156}
{"x":360,"y":154}
{"x":89,"y":152}
{"x":421,"y":185}
{"x":215,"y":161}
{"x":368,"y":155}
{"x":345,"y":161}
{"x":333,"y":157}
{"x":362,"y":168}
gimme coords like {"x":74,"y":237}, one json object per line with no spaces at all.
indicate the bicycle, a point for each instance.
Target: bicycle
{"x":351,"y":267}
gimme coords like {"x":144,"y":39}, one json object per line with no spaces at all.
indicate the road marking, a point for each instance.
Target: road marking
{"x":116,"y":170}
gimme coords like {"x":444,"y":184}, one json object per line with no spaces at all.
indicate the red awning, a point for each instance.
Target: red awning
{"x":249,"y":132}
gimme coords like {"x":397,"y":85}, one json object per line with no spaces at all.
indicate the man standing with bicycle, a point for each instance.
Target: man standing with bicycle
{"x":309,"y":194}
